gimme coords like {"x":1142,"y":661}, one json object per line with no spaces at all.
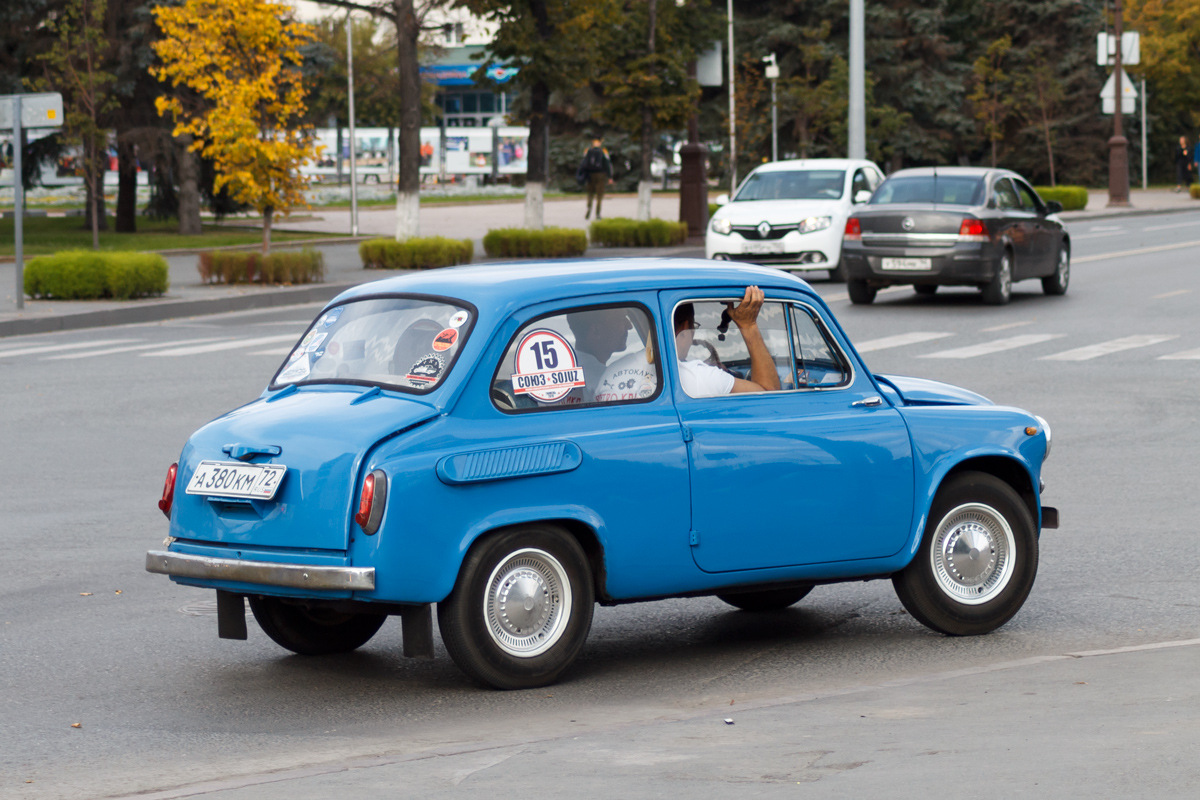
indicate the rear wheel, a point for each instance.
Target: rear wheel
{"x":766,"y":599}
{"x":313,"y":631}
{"x":925,"y":288}
{"x":998,"y":290}
{"x":860,"y":293}
{"x":1057,"y":283}
{"x":838,"y":273}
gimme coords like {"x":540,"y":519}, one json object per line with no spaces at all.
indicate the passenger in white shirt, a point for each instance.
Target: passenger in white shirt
{"x":704,"y":380}
{"x":598,"y":334}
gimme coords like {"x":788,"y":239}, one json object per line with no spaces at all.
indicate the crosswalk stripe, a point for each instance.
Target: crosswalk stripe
{"x":127,"y":349}
{"x":899,"y":340}
{"x":52,"y":348}
{"x":274,"y":351}
{"x":833,"y":298}
{"x":1162,"y":248}
{"x":995,"y":346}
{"x":1106,"y":348}
{"x":1186,"y":355}
{"x":219,"y":346}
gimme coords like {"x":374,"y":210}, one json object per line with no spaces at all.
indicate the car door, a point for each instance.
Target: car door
{"x":820,"y":471}
{"x":1045,"y":233}
{"x":1018,"y":226}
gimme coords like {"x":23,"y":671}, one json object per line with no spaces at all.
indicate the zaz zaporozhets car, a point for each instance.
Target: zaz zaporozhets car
{"x":515,"y":443}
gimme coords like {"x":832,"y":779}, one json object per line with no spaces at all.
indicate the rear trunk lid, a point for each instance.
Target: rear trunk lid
{"x":322,"y":437}
{"x":915,"y":225}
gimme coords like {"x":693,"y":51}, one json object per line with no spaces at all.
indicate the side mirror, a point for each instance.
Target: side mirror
{"x":722,"y":199}
{"x":862,"y":196}
{"x":1053,"y":207}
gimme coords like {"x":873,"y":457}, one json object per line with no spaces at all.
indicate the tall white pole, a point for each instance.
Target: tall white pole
{"x":1145,"y":173}
{"x":774,"y":124}
{"x":857,"y":138}
{"x":18,"y":204}
{"x":732,"y":111}
{"x":353,"y":143}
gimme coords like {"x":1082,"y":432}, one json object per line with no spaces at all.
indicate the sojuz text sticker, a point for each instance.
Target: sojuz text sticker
{"x":546,"y":367}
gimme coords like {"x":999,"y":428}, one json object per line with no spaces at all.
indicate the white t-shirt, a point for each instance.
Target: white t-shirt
{"x":593,"y":369}
{"x":630,"y":377}
{"x":704,"y":380}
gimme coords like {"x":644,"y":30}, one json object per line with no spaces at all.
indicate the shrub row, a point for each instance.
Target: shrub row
{"x":419,"y":253}
{"x":87,"y":275}
{"x":1194,"y":191}
{"x":1073,"y":198}
{"x":526,"y":243}
{"x":712,"y":208}
{"x":288,"y":266}
{"x":624,"y":232}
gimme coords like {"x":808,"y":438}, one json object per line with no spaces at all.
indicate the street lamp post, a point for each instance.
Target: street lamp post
{"x":857,"y":122}
{"x":732,"y":110}
{"x":350,"y":87}
{"x":1118,"y":145}
{"x":772,"y":74}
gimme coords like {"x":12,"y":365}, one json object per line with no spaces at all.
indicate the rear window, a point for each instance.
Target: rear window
{"x":949,"y":190}
{"x":403,"y":343}
{"x":809,"y":184}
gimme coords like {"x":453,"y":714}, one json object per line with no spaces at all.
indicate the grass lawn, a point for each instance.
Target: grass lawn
{"x":45,"y":235}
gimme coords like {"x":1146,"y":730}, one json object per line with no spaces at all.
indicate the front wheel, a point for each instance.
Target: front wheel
{"x":313,"y":631}
{"x":1057,"y":283}
{"x":766,"y":599}
{"x":861,"y":294}
{"x":521,"y":609}
{"x":977,"y":561}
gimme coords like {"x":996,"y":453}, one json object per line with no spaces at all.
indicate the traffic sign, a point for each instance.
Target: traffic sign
{"x":1129,"y":95}
{"x":44,"y":110}
{"x":1106,"y":49}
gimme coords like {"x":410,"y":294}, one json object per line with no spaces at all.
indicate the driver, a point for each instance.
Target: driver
{"x":704,"y":380}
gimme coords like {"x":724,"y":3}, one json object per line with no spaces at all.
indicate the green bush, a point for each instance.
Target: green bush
{"x":87,"y":275}
{"x":526,"y":243}
{"x":712,"y":209}
{"x":624,"y":232}
{"x":1073,"y":198}
{"x":1194,"y":191}
{"x":288,"y":266}
{"x":427,"y":252}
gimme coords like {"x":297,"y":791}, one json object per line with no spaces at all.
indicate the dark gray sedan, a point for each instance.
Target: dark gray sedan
{"x":955,"y":226}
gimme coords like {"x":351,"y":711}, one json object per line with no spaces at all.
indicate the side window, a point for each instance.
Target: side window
{"x":580,"y":357}
{"x":1006,"y":196}
{"x":818,"y":362}
{"x":1028,"y":198}
{"x":861,"y":184}
{"x":713,"y":352}
{"x":874,"y":178}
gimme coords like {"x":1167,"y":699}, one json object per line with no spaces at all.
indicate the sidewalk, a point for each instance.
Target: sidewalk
{"x":1148,"y":201}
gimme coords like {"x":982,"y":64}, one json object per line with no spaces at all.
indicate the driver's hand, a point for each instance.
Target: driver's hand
{"x":746,"y":312}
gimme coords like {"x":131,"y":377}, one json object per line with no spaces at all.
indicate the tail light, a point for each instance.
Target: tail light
{"x":371,"y":502}
{"x":168,"y":495}
{"x":853,"y":230}
{"x":972,"y":230}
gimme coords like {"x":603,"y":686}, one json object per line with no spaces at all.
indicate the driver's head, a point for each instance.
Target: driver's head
{"x":601,"y":332}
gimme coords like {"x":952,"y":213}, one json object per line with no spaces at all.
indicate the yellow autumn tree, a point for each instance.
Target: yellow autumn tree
{"x":240,"y":62}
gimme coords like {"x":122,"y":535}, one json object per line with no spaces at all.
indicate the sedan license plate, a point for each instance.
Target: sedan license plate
{"x":756,"y":248}
{"x":232,"y":479}
{"x":907,"y":264}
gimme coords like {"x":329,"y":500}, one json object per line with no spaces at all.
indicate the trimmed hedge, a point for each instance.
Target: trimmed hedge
{"x":1194,"y":191}
{"x":712,"y":209}
{"x":526,"y":243}
{"x":624,"y":232}
{"x":1073,"y":198}
{"x":426,"y":252}
{"x":288,"y":266}
{"x":88,"y":275}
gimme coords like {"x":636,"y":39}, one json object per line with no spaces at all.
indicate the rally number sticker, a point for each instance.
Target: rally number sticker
{"x":546,"y":367}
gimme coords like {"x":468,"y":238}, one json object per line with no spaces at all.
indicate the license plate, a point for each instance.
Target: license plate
{"x":908,"y":264}
{"x":232,"y":479}
{"x":763,"y":247}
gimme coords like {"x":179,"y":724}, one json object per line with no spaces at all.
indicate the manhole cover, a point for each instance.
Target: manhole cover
{"x":205,"y":608}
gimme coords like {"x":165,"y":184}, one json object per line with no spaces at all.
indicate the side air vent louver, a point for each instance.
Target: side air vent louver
{"x":510,"y":462}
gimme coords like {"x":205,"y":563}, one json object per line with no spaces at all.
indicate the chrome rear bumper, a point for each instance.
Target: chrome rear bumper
{"x":292,"y":576}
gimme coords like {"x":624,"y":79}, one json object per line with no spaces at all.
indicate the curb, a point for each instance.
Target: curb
{"x":1133,"y":212}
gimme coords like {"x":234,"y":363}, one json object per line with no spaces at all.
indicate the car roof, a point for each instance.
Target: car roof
{"x":974,"y":172}
{"x":813,"y":163}
{"x":505,"y":286}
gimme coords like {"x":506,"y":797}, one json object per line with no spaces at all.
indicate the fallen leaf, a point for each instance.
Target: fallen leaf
{"x":76,"y":724}
{"x":1081,"y":683}
{"x":118,"y":591}
{"x":85,"y":594}
{"x":731,"y":702}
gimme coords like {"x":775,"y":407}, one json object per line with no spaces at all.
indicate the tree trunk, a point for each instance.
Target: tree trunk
{"x":539,"y":141}
{"x":1046,"y":129}
{"x":95,"y":217}
{"x":408,"y":168}
{"x":266,"y":244}
{"x":126,"y":184}
{"x":646,"y":178}
{"x":189,"y":188}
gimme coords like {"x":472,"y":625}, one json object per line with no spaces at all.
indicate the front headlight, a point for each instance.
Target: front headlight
{"x":815,"y":224}
{"x":722,"y":226}
{"x":1049,"y":437}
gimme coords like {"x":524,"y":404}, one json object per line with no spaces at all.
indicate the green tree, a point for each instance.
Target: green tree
{"x":992,"y":97}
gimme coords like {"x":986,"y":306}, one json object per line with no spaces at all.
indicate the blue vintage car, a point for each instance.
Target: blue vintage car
{"x":515,"y":443}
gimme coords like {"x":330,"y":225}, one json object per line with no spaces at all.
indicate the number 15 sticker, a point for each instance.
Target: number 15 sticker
{"x":546,"y":367}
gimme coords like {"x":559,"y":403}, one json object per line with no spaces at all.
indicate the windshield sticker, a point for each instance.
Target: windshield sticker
{"x":458,"y":319}
{"x":445,"y":340}
{"x":546,"y":367}
{"x":315,"y":343}
{"x":426,"y":371}
{"x":332,"y":316}
{"x":299,"y":351}
{"x":297,"y":371}
{"x":333,"y":348}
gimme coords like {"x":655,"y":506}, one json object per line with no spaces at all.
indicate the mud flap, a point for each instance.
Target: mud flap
{"x":231,"y":615}
{"x":417,"y":625}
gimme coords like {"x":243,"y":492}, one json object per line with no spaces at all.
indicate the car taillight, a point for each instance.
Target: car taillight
{"x":372,"y":501}
{"x":168,"y":495}
{"x":972,"y":230}
{"x":853,"y":230}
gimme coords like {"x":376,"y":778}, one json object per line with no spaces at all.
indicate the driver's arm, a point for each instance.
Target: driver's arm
{"x":763,"y":377}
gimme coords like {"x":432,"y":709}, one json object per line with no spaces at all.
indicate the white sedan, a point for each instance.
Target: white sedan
{"x":791,"y":214}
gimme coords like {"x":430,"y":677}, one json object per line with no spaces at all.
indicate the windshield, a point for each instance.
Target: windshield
{"x":403,"y":343}
{"x":808,"y":184}
{"x":950,"y":190}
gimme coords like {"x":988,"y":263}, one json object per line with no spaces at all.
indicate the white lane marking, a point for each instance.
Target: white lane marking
{"x":833,"y":298}
{"x":299,"y":323}
{"x":1109,"y":347}
{"x":1006,"y":326}
{"x":131,"y":348}
{"x":1175,"y":293}
{"x":1105,"y":228}
{"x":996,"y":346}
{"x":1169,"y":227}
{"x":1143,"y":251}
{"x":30,"y":351}
{"x":1095,"y":235}
{"x":1186,"y":355}
{"x":275,"y":351}
{"x":219,"y":346}
{"x":1135,"y":648}
{"x":899,"y":340}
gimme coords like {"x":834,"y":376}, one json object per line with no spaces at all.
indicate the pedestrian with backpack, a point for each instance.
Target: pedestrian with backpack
{"x":596,"y":171}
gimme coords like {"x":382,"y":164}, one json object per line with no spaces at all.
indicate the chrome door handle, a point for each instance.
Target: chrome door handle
{"x":869,"y":402}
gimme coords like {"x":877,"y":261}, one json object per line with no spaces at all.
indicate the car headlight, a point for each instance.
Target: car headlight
{"x":815,"y":224}
{"x":722,"y":226}
{"x":1049,"y":437}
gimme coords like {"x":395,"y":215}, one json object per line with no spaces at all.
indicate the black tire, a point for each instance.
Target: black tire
{"x":860,"y":293}
{"x":925,"y":289}
{"x":499,"y":652}
{"x":838,"y":274}
{"x":313,"y":631}
{"x":766,"y":599}
{"x":1057,"y":283}
{"x":998,"y":291}
{"x":940,"y":592}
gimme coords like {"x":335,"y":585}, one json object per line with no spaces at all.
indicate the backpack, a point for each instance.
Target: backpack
{"x":593,"y":161}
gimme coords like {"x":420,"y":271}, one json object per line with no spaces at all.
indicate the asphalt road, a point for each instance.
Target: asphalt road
{"x":89,"y":421}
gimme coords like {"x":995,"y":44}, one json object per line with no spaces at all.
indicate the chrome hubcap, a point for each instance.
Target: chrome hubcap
{"x":1064,"y":267}
{"x":972,"y":554}
{"x":1005,"y":276}
{"x":528,"y":603}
